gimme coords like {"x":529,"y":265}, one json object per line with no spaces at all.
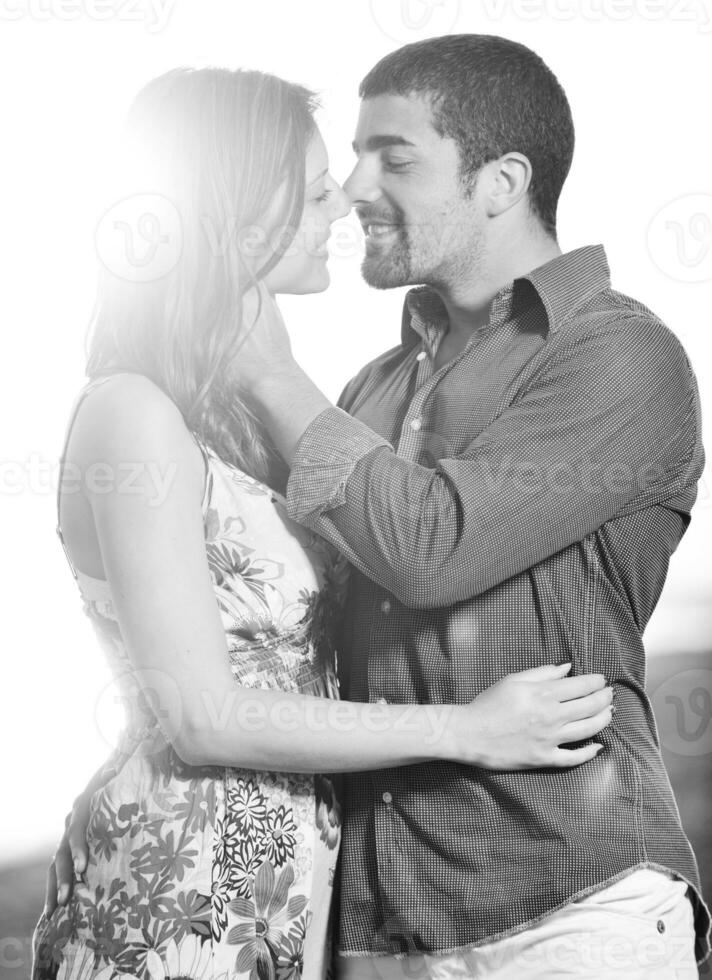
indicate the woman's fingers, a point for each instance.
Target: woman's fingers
{"x":575,"y":731}
{"x":577,"y":687}
{"x":565,"y":758}
{"x":51,"y":891}
{"x":562,"y":687}
{"x":547,"y":672}
{"x":586,"y":706}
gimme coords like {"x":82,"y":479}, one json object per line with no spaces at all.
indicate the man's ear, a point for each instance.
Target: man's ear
{"x":507,"y":182}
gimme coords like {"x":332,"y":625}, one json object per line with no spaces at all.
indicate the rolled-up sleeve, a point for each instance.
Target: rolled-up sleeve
{"x":609,"y":424}
{"x":326,"y":456}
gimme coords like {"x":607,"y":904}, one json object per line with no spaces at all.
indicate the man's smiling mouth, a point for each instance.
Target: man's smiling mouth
{"x":379,"y":230}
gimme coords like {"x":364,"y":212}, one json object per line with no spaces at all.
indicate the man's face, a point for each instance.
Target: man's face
{"x":420,"y":223}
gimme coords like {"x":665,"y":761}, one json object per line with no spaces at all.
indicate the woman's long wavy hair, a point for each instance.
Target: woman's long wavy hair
{"x":226,"y":148}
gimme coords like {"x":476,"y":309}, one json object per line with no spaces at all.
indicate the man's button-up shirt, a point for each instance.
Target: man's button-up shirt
{"x":517,"y":507}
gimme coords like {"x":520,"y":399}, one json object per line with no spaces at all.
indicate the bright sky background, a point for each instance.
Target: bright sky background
{"x":638,"y":74}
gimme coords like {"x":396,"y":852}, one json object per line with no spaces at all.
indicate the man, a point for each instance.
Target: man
{"x":509,"y":484}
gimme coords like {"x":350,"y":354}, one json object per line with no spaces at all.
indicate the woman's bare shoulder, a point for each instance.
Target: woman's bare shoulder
{"x":129,"y":418}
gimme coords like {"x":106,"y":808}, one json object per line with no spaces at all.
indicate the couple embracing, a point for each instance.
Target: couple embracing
{"x":424,"y":604}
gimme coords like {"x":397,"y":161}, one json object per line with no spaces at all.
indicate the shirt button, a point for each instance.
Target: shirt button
{"x":661,"y":925}
{"x":421,"y":356}
{"x":387,"y":798}
{"x":415,"y":424}
{"x":385,"y":607}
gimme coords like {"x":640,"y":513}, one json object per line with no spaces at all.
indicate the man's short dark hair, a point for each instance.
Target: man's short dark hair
{"x":492,"y":96}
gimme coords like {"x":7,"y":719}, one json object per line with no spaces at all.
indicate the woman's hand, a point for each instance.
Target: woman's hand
{"x":70,"y":858}
{"x":521,"y":722}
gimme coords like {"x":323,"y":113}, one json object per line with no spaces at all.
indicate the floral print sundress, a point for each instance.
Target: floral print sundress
{"x":212,"y":872}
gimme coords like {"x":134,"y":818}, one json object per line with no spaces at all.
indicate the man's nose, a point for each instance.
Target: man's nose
{"x":360,"y":188}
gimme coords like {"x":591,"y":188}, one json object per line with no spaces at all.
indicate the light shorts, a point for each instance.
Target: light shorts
{"x":639,"y":928}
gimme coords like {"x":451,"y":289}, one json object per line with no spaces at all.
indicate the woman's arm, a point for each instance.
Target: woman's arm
{"x":518,"y":716}
{"x":153,"y":551}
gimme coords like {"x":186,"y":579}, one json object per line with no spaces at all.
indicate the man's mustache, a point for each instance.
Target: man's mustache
{"x":370,"y":217}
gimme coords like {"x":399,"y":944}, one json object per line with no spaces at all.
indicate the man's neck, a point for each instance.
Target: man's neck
{"x":468,"y":302}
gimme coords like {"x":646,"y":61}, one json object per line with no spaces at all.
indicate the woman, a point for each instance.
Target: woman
{"x":212,"y":838}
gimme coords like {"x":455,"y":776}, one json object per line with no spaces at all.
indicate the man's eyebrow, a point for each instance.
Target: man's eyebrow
{"x":381,"y":141}
{"x":318,"y":177}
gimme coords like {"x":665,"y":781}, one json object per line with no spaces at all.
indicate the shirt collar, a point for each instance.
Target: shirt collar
{"x":424,"y":316}
{"x":562,"y":285}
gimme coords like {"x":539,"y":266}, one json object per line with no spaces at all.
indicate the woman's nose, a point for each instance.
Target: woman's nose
{"x":341,"y":205}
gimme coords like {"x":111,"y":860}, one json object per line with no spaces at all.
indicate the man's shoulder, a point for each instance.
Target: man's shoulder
{"x":614,"y":325}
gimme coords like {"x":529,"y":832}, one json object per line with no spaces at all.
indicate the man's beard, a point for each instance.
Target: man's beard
{"x":390,"y":268}
{"x":439,"y":261}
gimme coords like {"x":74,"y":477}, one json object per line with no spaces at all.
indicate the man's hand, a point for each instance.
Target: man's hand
{"x":264,"y":347}
{"x":264,"y":369}
{"x":71,"y":857}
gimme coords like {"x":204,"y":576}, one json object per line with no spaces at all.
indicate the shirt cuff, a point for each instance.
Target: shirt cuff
{"x":327,"y":453}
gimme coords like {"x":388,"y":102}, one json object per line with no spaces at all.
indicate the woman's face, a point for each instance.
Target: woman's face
{"x":303,"y":267}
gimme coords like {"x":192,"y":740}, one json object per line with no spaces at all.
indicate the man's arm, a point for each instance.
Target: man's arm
{"x":72,"y":853}
{"x":611,"y":423}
